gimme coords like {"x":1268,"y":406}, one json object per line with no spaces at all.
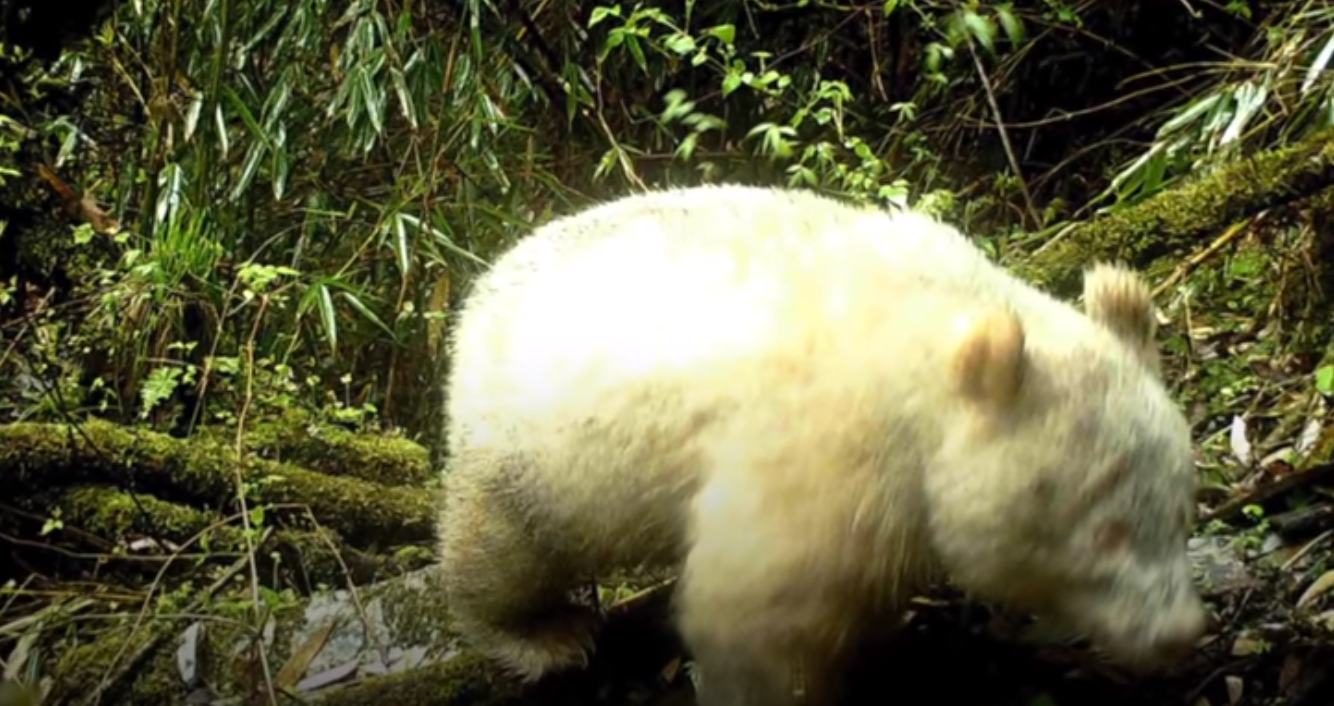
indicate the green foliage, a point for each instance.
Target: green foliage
{"x":306,"y":186}
{"x":800,"y":119}
{"x":1324,"y":380}
{"x":306,"y":173}
{"x":1284,"y":94}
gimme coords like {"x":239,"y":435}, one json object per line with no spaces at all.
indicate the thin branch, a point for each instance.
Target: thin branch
{"x":1004,"y":136}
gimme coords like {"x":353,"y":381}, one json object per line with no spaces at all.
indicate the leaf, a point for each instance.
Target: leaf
{"x":187,"y":654}
{"x":328,"y":316}
{"x":724,"y":33}
{"x":1132,"y":178}
{"x":936,"y":53}
{"x":681,"y":43}
{"x":1235,"y":688}
{"x":301,"y":658}
{"x":276,"y":14}
{"x":1324,"y":380}
{"x":1241,"y":446}
{"x":678,"y":105}
{"x":981,"y":29}
{"x":1249,"y":98}
{"x":220,"y":122}
{"x":373,"y":98}
{"x":160,"y":385}
{"x":248,"y":170}
{"x":243,"y":110}
{"x":1318,"y":66}
{"x":731,"y":82}
{"x":1190,"y":113}
{"x":1013,"y":26}
{"x":1318,"y":588}
{"x":276,"y":103}
{"x":333,"y":675}
{"x":400,"y":246}
{"x":601,"y":13}
{"x":18,"y":657}
{"x":687,"y":146}
{"x":1310,"y":434}
{"x":637,"y":51}
{"x":192,"y":116}
{"x":280,"y":169}
{"x":404,"y":97}
{"x":67,"y":145}
{"x":1154,"y":172}
{"x":365,"y":311}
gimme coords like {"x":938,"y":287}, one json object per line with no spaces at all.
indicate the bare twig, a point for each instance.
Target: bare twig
{"x":1004,"y":136}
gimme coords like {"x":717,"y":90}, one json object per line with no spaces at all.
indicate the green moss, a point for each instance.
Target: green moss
{"x":113,"y":513}
{"x":309,"y":558}
{"x":82,"y":669}
{"x":296,"y":437}
{"x":367,"y":514}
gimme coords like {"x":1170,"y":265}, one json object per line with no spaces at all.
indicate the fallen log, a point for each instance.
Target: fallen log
{"x":36,"y":457}
{"x":1182,"y":217}
{"x":296,"y":437}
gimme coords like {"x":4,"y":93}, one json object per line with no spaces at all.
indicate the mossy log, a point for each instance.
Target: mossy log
{"x":296,"y":437}
{"x":109,"y":518}
{"x":1181,"y":217}
{"x":36,"y":457}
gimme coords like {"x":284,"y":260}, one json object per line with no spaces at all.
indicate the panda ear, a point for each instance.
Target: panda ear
{"x":1120,"y":300}
{"x":988,"y":362}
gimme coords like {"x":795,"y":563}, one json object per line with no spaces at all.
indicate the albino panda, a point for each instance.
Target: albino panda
{"x":811,"y":409}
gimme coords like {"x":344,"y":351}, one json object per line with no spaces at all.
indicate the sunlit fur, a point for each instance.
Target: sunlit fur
{"x":811,"y":408}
